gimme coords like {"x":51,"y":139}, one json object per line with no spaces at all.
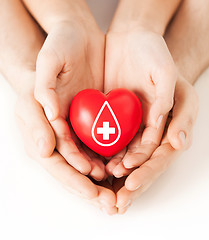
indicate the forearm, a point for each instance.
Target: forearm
{"x":20,"y":42}
{"x":188,"y":37}
{"x":51,"y":12}
{"x":153,"y":15}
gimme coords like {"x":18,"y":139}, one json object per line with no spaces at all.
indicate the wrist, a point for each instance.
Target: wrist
{"x":21,"y":80}
{"x":121,"y":24}
{"x":152,"y":15}
{"x":50,"y":14}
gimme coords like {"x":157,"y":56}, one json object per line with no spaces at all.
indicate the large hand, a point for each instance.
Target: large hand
{"x":70,"y":60}
{"x":32,"y":122}
{"x":140,"y":61}
{"x":182,"y":119}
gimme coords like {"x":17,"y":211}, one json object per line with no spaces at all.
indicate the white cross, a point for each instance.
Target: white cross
{"x":106,"y":130}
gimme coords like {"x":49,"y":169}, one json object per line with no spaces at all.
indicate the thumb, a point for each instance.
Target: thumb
{"x":165,"y":82}
{"x":36,"y":126}
{"x":48,"y":67}
{"x":183,"y":119}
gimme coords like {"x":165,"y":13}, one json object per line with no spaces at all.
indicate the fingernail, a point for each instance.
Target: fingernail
{"x":48,"y":113}
{"x":182,"y":137}
{"x":118,"y":175}
{"x":128,"y":165}
{"x":127,"y":204}
{"x":41,"y":144}
{"x":138,"y":187}
{"x":159,"y":121}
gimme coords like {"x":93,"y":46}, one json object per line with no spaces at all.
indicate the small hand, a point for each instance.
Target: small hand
{"x":140,"y":61}
{"x":70,"y":60}
{"x":32,"y":123}
{"x":182,"y":120}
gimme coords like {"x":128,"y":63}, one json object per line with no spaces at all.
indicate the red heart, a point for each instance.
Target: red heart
{"x":106,"y":123}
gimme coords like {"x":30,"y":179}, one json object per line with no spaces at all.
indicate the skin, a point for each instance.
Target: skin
{"x":77,"y":66}
{"x":101,"y":193}
{"x":186,"y":25}
{"x":136,"y":46}
{"x":18,"y":67}
{"x":73,"y":66}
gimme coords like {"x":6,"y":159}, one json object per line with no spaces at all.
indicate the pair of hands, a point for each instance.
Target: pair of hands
{"x":72,"y":59}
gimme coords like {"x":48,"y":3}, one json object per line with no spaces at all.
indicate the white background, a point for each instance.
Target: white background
{"x":34,"y":206}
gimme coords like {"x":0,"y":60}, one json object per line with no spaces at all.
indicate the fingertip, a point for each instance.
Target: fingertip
{"x":177,"y":139}
{"x":159,"y":121}
{"x":132,"y":185}
{"x":109,"y":168}
{"x":96,"y":173}
{"x":117,"y":172}
{"x":182,"y":137}
{"x":159,"y":109}
{"x":128,"y":164}
{"x":156,"y":117}
{"x":51,"y":112}
{"x":48,"y":112}
{"x":49,"y":101}
{"x":109,"y":211}
{"x":85,"y":169}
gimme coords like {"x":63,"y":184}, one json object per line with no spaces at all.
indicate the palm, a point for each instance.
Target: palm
{"x":133,"y":64}
{"x":77,"y":65}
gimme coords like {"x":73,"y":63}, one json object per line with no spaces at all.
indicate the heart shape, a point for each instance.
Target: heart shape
{"x":106,"y":123}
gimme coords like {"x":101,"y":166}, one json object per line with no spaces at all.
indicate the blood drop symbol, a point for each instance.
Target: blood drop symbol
{"x":106,"y":130}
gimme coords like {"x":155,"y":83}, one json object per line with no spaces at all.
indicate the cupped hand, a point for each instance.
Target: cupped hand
{"x":181,"y":119}
{"x":70,"y":60}
{"x":32,"y":122}
{"x":140,"y":61}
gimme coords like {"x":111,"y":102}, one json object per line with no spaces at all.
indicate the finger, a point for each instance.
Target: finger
{"x":114,"y":162}
{"x":165,"y":81}
{"x":143,"y":145}
{"x":67,"y":147}
{"x":97,"y":169}
{"x":124,"y":197}
{"x":120,"y":171}
{"x":68,"y":176}
{"x":145,"y":175}
{"x":48,"y":67}
{"x":107,"y":196}
{"x":107,"y":199}
{"x":31,"y":114}
{"x":97,"y":165}
{"x":183,"y":117}
{"x":56,"y":165}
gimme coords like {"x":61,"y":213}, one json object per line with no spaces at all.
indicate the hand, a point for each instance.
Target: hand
{"x":140,"y":61}
{"x":32,"y":121}
{"x":70,"y":60}
{"x":182,"y":119}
